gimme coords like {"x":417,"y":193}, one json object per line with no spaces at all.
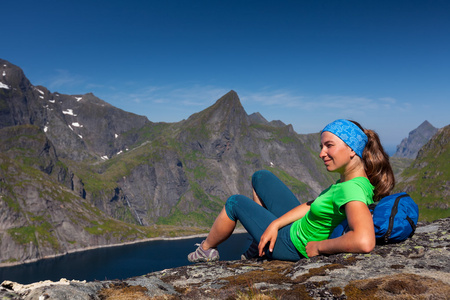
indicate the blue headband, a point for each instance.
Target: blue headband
{"x":350,"y":133}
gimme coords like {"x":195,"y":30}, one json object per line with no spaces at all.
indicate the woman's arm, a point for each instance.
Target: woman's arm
{"x":360,"y":238}
{"x":271,"y":232}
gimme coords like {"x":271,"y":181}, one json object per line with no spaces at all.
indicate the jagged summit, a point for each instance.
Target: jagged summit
{"x":231,"y":93}
{"x":11,"y":76}
{"x":410,"y":146}
{"x":229,"y":104}
{"x":257,"y":118}
{"x":80,"y":126}
{"x":226,"y":111}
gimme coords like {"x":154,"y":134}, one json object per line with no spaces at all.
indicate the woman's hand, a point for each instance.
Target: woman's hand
{"x":269,"y":236}
{"x":312,"y":249}
{"x":271,"y":233}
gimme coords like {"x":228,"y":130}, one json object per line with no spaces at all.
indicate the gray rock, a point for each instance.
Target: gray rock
{"x":410,"y":146}
{"x":418,"y":268}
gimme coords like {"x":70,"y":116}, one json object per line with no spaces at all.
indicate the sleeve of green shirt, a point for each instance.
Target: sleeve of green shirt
{"x":357,"y":189}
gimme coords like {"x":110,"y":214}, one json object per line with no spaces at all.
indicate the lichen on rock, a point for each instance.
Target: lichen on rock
{"x":418,"y":268}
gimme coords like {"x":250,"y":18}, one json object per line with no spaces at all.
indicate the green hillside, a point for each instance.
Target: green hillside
{"x":427,"y":179}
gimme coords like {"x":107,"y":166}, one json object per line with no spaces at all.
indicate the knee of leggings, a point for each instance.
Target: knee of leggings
{"x":258,"y":175}
{"x":229,"y":207}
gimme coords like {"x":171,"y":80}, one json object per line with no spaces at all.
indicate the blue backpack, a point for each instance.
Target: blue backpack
{"x":394,"y":218}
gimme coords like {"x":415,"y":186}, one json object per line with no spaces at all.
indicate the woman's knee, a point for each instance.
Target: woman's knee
{"x":230,"y":205}
{"x":259,"y":177}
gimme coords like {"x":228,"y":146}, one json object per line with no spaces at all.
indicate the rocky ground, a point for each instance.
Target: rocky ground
{"x":416,"y":269}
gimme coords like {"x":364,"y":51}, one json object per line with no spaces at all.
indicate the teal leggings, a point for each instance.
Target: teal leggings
{"x":277,"y":200}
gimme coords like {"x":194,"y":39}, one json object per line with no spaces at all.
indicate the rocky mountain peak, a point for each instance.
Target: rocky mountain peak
{"x":228,"y":107}
{"x":227,"y":112}
{"x":410,"y":146}
{"x":79,"y":126}
{"x":257,"y":118}
{"x":11,"y":76}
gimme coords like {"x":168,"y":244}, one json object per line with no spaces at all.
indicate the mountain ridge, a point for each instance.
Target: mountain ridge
{"x":428,"y":177}
{"x":69,"y":121}
{"x":410,"y":146}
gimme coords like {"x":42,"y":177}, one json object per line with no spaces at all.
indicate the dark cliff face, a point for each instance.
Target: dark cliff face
{"x":80,"y":126}
{"x":41,"y":202}
{"x":14,"y":106}
{"x":410,"y":146}
{"x":44,"y":210}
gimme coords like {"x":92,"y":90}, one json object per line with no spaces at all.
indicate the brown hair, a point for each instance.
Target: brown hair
{"x":376,"y":165}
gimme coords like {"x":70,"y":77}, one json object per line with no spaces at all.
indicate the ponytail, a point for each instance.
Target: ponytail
{"x":376,"y":165}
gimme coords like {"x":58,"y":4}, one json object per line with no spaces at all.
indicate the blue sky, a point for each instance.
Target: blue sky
{"x":383,"y":63}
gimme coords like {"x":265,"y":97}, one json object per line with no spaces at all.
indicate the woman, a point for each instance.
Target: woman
{"x":285,"y":230}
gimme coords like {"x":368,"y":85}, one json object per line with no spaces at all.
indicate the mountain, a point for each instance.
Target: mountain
{"x":193,"y":166}
{"x":410,"y":146}
{"x":81,"y":127}
{"x":43,"y":207}
{"x":427,"y":179}
{"x":257,"y":118}
{"x":76,"y":172}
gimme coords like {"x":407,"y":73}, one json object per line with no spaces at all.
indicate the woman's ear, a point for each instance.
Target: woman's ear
{"x":352,"y":153}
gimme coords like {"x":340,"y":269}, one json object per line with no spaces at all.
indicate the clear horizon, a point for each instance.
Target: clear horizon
{"x":306,"y":63}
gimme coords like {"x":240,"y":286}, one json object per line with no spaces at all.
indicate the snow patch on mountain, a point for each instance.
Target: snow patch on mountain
{"x":69,"y":112}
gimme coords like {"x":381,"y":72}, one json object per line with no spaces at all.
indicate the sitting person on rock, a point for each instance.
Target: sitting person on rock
{"x":284,"y":229}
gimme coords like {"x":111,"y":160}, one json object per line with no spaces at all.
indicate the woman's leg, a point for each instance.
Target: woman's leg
{"x":221,"y":230}
{"x":255,"y":219}
{"x":251,"y":215}
{"x":278,"y":199}
{"x":272,"y":193}
{"x":269,"y":192}
{"x":284,"y":248}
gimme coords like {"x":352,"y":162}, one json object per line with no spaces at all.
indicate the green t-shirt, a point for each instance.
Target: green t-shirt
{"x":326,"y":212}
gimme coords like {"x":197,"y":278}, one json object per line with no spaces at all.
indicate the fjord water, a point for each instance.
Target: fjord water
{"x":119,"y":262}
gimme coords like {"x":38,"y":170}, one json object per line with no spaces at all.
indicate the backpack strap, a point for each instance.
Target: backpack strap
{"x":413,"y":226}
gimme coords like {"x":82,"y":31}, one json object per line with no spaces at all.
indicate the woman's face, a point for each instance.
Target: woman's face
{"x":335,"y":154}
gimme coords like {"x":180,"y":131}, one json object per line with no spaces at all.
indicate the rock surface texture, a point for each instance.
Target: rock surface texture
{"x":418,"y":268}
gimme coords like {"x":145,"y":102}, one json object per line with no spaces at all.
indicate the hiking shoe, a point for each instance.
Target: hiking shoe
{"x":201,"y":255}
{"x":251,"y":252}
